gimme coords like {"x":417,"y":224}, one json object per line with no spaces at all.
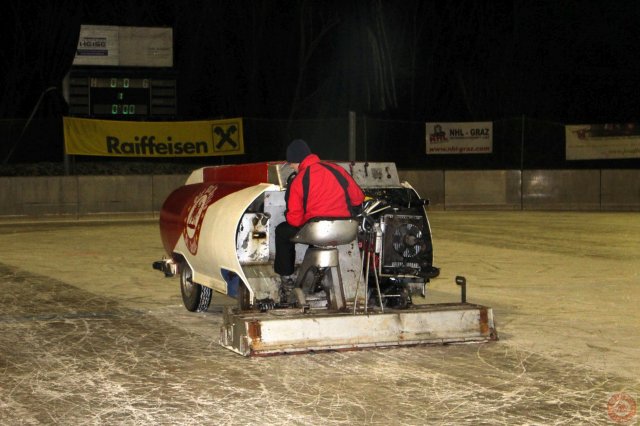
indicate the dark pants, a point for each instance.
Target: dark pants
{"x":285,"y":260}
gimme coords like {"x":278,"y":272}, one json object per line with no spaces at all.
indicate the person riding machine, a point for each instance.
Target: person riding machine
{"x":321,"y":199}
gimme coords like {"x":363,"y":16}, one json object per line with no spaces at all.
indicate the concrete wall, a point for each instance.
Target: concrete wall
{"x":620,"y":190}
{"x":81,"y":196}
{"x":38,"y":196}
{"x":486,"y":190}
{"x":87,"y":196}
{"x":428,"y":183}
{"x":561,"y":189}
{"x":528,"y":190}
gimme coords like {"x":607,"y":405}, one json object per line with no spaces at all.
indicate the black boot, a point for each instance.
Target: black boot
{"x":285,"y":291}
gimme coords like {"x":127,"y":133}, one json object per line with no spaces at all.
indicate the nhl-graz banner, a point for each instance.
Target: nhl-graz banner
{"x":602,"y":141}
{"x":112,"y":138}
{"x":460,"y":138}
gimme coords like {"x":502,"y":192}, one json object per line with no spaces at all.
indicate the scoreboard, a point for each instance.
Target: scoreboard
{"x":121,"y":94}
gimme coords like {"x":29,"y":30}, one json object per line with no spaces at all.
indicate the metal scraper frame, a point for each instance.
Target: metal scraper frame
{"x":287,"y":332}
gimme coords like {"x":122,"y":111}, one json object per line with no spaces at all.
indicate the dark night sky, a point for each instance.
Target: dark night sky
{"x":564,"y":61}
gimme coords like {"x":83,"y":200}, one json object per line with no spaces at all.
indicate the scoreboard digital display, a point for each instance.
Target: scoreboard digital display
{"x":121,"y":96}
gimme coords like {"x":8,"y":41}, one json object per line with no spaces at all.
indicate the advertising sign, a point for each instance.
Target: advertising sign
{"x":459,"y":138}
{"x":602,"y":141}
{"x":98,"y":45}
{"x":110,"y":138}
{"x":125,"y":46}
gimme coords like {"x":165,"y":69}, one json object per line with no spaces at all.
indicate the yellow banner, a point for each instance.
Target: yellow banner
{"x":111,"y":138}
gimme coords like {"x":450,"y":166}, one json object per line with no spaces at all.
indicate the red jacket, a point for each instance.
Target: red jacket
{"x":326,"y":196}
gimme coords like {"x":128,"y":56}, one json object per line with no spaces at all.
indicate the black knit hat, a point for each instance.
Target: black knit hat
{"x":297,"y":151}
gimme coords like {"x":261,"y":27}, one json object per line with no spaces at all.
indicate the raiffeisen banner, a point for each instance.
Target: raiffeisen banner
{"x":460,"y":138}
{"x":111,"y":138}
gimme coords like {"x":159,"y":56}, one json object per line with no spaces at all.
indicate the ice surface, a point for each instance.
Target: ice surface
{"x":91,"y":334}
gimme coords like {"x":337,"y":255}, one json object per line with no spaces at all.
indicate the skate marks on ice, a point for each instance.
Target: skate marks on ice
{"x":70,"y":357}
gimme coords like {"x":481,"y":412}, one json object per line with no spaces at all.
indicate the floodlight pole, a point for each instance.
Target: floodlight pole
{"x":65,"y":95}
{"x":352,"y":135}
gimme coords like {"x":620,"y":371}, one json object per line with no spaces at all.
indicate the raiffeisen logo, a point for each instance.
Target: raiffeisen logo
{"x":147,"y":145}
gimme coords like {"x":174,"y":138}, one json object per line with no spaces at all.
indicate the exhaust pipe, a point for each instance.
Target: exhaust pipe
{"x":167,"y":266}
{"x":462,"y":282}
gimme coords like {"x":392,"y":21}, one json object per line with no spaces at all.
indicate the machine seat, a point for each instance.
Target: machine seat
{"x":327,"y":232}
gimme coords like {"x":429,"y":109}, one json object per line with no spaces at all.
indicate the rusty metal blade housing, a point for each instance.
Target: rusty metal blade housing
{"x":293,"y":331}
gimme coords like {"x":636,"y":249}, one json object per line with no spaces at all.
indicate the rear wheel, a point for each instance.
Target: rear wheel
{"x":196,"y":297}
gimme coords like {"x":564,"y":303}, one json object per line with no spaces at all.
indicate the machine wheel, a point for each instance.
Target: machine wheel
{"x":196,"y":297}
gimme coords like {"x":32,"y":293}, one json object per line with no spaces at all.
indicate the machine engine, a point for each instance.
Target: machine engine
{"x":402,"y":252}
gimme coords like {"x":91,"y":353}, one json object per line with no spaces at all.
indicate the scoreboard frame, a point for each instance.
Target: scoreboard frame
{"x":122,"y":93}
